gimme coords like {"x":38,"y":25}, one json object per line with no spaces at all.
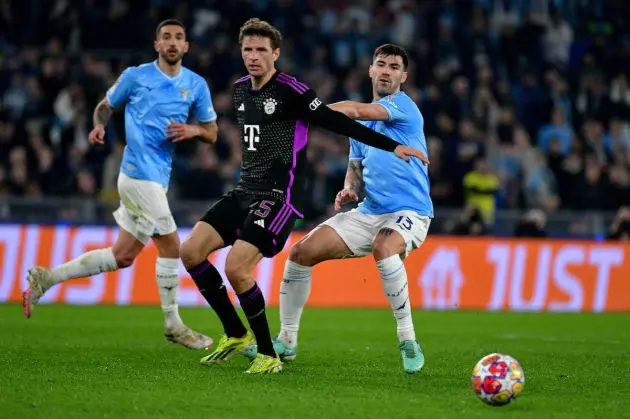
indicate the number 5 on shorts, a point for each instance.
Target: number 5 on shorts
{"x":404,"y":222}
{"x":264,"y":208}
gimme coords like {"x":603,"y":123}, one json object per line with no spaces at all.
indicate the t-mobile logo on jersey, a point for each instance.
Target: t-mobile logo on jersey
{"x":251,"y":136}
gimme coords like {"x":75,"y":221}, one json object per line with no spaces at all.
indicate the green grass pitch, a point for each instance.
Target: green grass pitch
{"x":95,"y":362}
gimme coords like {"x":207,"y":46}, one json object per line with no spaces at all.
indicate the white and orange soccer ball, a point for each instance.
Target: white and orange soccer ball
{"x":498,"y":379}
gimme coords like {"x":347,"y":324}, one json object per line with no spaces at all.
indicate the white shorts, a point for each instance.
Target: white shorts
{"x":143,"y":209}
{"x":358,"y":230}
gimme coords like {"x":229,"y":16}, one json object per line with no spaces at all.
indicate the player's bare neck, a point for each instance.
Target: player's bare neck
{"x":259,"y":82}
{"x":170,"y":70}
{"x":377,"y":97}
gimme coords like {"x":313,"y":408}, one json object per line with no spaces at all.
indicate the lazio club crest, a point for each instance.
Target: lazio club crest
{"x":185,"y":93}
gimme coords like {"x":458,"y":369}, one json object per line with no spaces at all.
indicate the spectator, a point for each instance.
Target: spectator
{"x":594,"y":141}
{"x":617,"y":194}
{"x":589,"y":192}
{"x":558,"y":130}
{"x":540,"y":184}
{"x":480,"y":187}
{"x":486,"y":75}
{"x":532,"y":225}
{"x":529,"y":102}
{"x":505,"y":126}
{"x":557,"y":41}
{"x":471,"y":223}
{"x":441,"y":189}
{"x":620,"y":227}
{"x":618,"y":137}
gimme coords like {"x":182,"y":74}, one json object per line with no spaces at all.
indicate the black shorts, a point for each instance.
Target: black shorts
{"x":261,"y":221}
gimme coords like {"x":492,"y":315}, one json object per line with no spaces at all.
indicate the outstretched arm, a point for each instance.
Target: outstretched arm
{"x":339,"y":123}
{"x":361,"y":111}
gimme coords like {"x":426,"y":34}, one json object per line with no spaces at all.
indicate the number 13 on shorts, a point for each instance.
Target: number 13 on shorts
{"x":412,"y":227}
{"x":404,"y":222}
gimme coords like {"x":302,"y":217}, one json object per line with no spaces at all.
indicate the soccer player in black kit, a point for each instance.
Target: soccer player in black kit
{"x":274,"y":111}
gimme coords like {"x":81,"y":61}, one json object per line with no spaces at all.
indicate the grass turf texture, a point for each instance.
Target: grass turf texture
{"x":71,"y":362}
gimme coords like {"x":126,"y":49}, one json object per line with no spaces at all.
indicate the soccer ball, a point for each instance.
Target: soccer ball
{"x":498,"y":379}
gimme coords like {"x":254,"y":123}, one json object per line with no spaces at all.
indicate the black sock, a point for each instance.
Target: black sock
{"x":253,"y":304}
{"x":211,"y":286}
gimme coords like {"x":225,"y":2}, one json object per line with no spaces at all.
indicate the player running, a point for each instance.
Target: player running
{"x":273,"y":111}
{"x":160,"y":97}
{"x":390,"y":222}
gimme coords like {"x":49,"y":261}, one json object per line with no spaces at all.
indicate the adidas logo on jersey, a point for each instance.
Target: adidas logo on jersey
{"x":260,"y":223}
{"x":242,"y":107}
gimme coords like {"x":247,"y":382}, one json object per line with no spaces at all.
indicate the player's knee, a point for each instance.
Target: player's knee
{"x":168,"y":246}
{"x":124,"y":259}
{"x":191,"y":255}
{"x":234,"y":271}
{"x":383,"y":248}
{"x":301,"y":254}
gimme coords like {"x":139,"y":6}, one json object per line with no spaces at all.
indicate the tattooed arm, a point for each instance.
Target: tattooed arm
{"x":101,"y":116}
{"x":354,"y":176}
{"x":102,"y":113}
{"x":352,"y":185}
{"x":116,"y":96}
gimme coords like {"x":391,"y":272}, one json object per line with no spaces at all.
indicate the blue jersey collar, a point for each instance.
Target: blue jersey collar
{"x":178,"y":75}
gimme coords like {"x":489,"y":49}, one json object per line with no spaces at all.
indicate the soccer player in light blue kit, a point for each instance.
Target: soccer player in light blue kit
{"x":160,"y":98}
{"x":392,"y":220}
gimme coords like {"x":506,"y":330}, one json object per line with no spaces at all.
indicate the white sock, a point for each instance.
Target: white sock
{"x":88,"y":264}
{"x":167,"y":276}
{"x":294,"y":290}
{"x":394,"y":278}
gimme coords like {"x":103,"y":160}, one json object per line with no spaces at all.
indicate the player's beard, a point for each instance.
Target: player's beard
{"x":383,"y":90}
{"x":172,"y":61}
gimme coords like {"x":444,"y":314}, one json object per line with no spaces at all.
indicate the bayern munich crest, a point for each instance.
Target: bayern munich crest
{"x":270,"y":106}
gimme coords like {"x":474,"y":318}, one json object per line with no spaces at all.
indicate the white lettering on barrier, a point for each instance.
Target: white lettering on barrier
{"x":441,"y":278}
{"x":499,"y":255}
{"x":502,"y":257}
{"x":569,"y":284}
{"x":537,"y":302}
{"x":442,"y":268}
{"x":605,"y":259}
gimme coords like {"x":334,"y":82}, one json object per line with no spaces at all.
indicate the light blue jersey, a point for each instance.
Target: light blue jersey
{"x":391,"y":184}
{"x":153,"y":101}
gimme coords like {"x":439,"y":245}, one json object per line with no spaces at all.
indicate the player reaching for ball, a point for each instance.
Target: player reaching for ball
{"x":160,"y":98}
{"x":274,"y":111}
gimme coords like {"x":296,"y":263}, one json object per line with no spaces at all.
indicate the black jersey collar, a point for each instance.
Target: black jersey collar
{"x":251,"y":81}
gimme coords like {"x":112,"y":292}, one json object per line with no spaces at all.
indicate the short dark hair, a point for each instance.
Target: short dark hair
{"x":392,"y":49}
{"x":257,"y":27}
{"x":168,"y":22}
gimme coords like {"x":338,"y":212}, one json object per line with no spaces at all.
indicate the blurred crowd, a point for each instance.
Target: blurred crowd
{"x":526,"y":102}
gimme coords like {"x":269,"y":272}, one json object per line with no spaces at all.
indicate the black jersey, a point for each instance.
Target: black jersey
{"x":274,"y":122}
{"x":275,"y":135}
